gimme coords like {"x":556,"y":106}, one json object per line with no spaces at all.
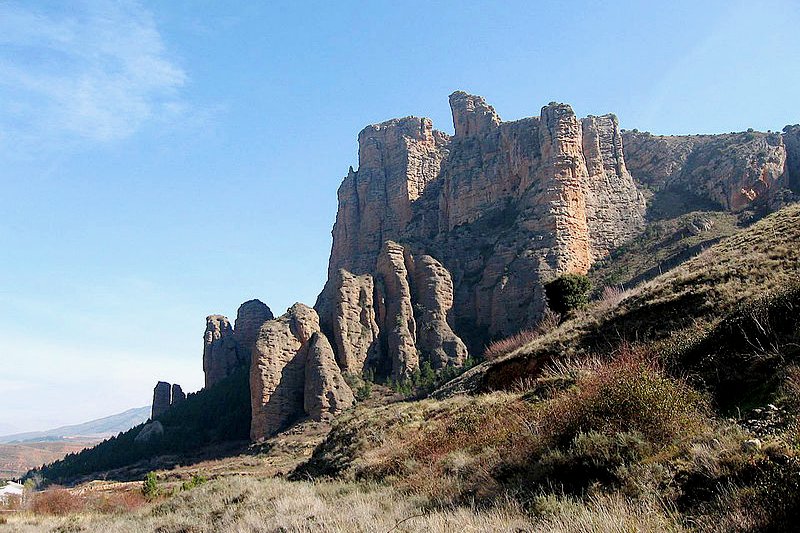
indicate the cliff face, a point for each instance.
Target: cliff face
{"x":293,"y":373}
{"x":733,"y":171}
{"x":499,"y":207}
{"x":226,"y":348}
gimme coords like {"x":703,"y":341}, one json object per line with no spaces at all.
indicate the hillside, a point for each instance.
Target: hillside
{"x":21,"y":452}
{"x":93,"y":429}
{"x":212,"y":422}
{"x":688,"y":301}
{"x":17,"y":459}
{"x":619,"y":419}
{"x":629,"y":399}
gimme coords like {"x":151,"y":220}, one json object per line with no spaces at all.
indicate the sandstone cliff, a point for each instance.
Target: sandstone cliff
{"x":499,"y":207}
{"x":226,"y":348}
{"x":293,"y":373}
{"x":732,"y":171}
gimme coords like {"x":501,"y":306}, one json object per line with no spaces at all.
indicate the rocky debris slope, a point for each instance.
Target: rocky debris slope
{"x":226,"y":348}
{"x":734,"y":171}
{"x":165,"y":396}
{"x":500,"y":206}
{"x":293,"y":374}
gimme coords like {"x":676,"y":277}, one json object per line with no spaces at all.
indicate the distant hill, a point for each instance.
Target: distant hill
{"x":16,"y":459}
{"x":216,"y":415}
{"x":93,"y":430}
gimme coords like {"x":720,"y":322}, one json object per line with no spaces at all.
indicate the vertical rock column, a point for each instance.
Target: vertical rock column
{"x":162,"y":398}
{"x":565,"y":177}
{"x":219,"y":349}
{"x":249,"y":319}
{"x":398,"y":321}
{"x":293,"y":373}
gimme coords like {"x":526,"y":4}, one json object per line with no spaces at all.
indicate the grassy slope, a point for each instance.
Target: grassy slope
{"x":663,"y":245}
{"x":598,"y":425}
{"x":607,"y":406}
{"x":688,"y":301}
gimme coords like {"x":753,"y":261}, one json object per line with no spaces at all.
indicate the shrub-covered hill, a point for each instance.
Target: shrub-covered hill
{"x":212,"y":416}
{"x":679,"y":398}
{"x":744,"y":279}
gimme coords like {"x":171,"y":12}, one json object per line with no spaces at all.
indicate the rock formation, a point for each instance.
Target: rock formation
{"x":442,"y":243}
{"x":733,"y":171}
{"x":791,"y":138}
{"x":219,"y":349}
{"x":293,"y":373}
{"x":164,"y":397}
{"x":152,"y":431}
{"x":500,"y":207}
{"x":325,"y":391}
{"x":177,"y":394}
{"x":227,"y":348}
{"x":249,"y":318}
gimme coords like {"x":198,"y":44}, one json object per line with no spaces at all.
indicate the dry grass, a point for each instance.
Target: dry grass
{"x":630,"y":393}
{"x":239,"y":504}
{"x":690,"y":299}
{"x":507,"y":345}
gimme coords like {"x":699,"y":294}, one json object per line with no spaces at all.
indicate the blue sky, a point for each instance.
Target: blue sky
{"x":162,"y":161}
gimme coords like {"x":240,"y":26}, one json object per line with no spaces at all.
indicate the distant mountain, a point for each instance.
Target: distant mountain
{"x":94,"y":429}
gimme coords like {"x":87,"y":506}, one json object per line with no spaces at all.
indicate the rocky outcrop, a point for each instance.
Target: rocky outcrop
{"x":219,"y":350}
{"x":614,"y":205}
{"x":733,"y":171}
{"x":249,"y":318}
{"x":397,"y":161}
{"x":325,"y":392}
{"x":164,"y":397}
{"x":391,"y":321}
{"x":288,"y":371}
{"x":500,"y":206}
{"x":353,"y":322}
{"x":433,"y":290}
{"x":397,"y":318}
{"x":150,"y":432}
{"x":177,"y":394}
{"x":227,"y":348}
{"x":472,"y":116}
{"x":791,"y":138}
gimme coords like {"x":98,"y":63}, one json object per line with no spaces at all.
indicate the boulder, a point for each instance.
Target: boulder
{"x":152,"y":431}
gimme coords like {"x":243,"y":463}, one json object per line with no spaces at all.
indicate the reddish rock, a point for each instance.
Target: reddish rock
{"x":250,"y":317}
{"x":278,"y":374}
{"x":502,"y":206}
{"x":325,"y":392}
{"x":733,"y":171}
{"x":220,"y":357}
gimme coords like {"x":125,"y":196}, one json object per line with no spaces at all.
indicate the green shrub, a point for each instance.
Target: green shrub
{"x":196,"y":481}
{"x":629,"y":394}
{"x":150,"y":488}
{"x":568,"y":292}
{"x":364,"y":391}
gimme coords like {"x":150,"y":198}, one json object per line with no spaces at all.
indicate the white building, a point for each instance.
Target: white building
{"x":10,"y":490}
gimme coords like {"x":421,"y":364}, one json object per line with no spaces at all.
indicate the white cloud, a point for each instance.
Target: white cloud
{"x":88,"y":70}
